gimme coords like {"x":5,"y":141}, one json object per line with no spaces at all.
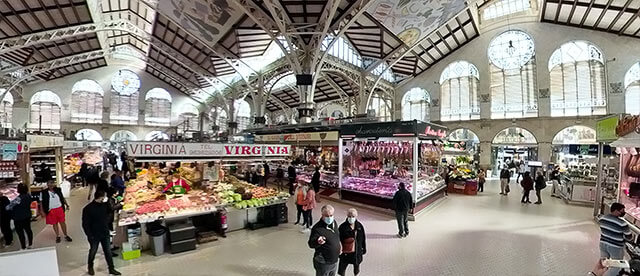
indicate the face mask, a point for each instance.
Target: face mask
{"x":328,"y":220}
{"x":351,"y":220}
{"x":105,"y":199}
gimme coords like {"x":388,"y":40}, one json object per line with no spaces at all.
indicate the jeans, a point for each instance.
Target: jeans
{"x":106,"y":249}
{"x":503,"y":185}
{"x":403,"y":222}
{"x":325,"y":269}
{"x":24,"y":226}
{"x":308,"y":220}
{"x":300,"y":212}
{"x":611,"y":252}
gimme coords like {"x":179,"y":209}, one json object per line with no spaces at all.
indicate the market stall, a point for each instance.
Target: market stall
{"x":310,"y":149}
{"x":76,"y":153}
{"x":463,"y":178}
{"x":510,"y":147}
{"x":45,"y":161}
{"x":376,"y":157}
{"x":627,"y":146}
{"x":175,"y":182}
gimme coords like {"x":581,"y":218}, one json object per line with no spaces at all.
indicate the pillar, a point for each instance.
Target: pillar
{"x":232,"y":125}
{"x":306,"y":112}
{"x":259,"y":104}
{"x":485,"y":155}
{"x":544,"y":152}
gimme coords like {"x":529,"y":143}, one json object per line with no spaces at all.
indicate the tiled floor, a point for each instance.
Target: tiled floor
{"x":461,"y":235}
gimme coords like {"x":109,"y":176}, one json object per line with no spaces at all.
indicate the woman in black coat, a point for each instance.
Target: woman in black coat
{"x":354,"y":243}
{"x":540,"y":184}
{"x":315,"y":182}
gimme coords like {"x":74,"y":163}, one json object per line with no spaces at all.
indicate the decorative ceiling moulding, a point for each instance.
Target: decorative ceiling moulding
{"x":485,"y":98}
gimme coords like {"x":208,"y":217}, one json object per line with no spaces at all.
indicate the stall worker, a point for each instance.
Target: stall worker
{"x":176,"y":184}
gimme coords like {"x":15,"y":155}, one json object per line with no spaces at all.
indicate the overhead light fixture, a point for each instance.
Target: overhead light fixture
{"x":511,"y":49}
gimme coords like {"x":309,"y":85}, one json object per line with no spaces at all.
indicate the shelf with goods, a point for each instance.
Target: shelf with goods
{"x":376,"y":157}
{"x":463,"y":177}
{"x":13,"y":168}
{"x":75,"y":157}
{"x":45,"y":162}
{"x":145,"y":201}
{"x":328,"y":178}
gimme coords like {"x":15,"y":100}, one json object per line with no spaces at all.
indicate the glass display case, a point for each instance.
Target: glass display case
{"x":376,"y":157}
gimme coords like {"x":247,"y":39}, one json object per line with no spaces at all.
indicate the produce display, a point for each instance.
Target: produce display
{"x":241,"y":194}
{"x":72,"y":165}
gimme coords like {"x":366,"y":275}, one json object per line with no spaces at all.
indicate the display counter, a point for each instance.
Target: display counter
{"x":576,"y":190}
{"x":376,"y":157}
{"x":463,"y":186}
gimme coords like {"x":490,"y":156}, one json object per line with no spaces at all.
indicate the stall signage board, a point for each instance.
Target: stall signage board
{"x":42,"y":141}
{"x":20,"y":146}
{"x":190,"y":150}
{"x":394,"y":129}
{"x":10,"y":152}
{"x":299,"y":137}
{"x":606,"y":129}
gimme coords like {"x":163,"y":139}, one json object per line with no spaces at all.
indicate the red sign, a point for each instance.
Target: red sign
{"x":435,"y":132}
{"x":160,"y":149}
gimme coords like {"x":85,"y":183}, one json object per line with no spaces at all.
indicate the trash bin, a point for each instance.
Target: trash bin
{"x":157,"y":233}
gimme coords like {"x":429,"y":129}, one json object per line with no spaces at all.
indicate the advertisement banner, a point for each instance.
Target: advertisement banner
{"x":299,"y":137}
{"x":10,"y":152}
{"x":606,"y":129}
{"x":194,"y":150}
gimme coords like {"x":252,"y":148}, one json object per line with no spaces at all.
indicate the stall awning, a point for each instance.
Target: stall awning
{"x":629,"y":140}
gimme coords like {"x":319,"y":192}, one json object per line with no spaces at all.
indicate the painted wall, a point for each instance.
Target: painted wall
{"x":62,"y":87}
{"x":547,"y":38}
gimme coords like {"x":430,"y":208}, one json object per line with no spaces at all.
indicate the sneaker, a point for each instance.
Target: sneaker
{"x":30,"y":247}
{"x":537,"y":202}
{"x":400,"y":236}
{"x":67,"y":238}
{"x":58,"y":240}
{"x":114,"y":272}
{"x":90,"y":271}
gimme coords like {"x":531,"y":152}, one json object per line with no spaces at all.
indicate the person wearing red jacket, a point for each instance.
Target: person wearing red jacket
{"x":176,"y":180}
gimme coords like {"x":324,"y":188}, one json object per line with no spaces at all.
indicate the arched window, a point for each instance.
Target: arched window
{"x":513,"y":76}
{"x":459,"y":97}
{"x":380,"y":106}
{"x":88,"y":134}
{"x":45,"y":107}
{"x":632,"y":90}
{"x":281,"y":119}
{"x":577,"y":81}
{"x":157,"y":111}
{"x":219,"y":118}
{"x":156,"y":135}
{"x":243,"y":114}
{"x":125,"y":86}
{"x":575,"y":135}
{"x":188,"y":119}
{"x":123,"y":136}
{"x":415,"y":105}
{"x":337,"y":114}
{"x":86,"y":102}
{"x":342,"y":49}
{"x":6,"y":109}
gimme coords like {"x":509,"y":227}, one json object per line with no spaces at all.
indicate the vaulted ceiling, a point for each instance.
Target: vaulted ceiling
{"x":189,"y":44}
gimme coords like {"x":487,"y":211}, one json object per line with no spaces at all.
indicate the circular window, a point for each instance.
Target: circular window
{"x":511,"y":50}
{"x":125,"y":82}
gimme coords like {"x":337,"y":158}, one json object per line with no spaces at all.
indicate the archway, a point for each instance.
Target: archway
{"x":575,"y":148}
{"x":511,"y":147}
{"x":462,"y":142}
{"x":88,"y":134}
{"x":123,"y":136}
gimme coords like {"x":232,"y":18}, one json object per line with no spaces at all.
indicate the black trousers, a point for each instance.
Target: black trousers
{"x":24,"y":226}
{"x":403,"y":222}
{"x":525,"y":196}
{"x":308,"y":220}
{"x":538,"y":195}
{"x":300,"y":212}
{"x":5,"y":227}
{"x":342,"y":267}
{"x":480,"y":186}
{"x":291,"y":181}
{"x":106,"y":249}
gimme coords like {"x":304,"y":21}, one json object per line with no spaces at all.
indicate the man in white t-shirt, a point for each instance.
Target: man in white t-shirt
{"x":53,"y":207}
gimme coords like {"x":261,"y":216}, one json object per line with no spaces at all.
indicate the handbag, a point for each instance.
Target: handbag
{"x":349,"y":244}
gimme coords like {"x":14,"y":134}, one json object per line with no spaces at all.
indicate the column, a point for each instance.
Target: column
{"x":259,"y":104}
{"x":232,"y":124}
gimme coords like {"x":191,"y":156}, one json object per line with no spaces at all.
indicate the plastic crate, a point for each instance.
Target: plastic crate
{"x":130,"y":255}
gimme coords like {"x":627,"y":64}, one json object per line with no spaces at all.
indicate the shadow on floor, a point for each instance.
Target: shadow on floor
{"x":252,"y":270}
{"x":376,"y":236}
